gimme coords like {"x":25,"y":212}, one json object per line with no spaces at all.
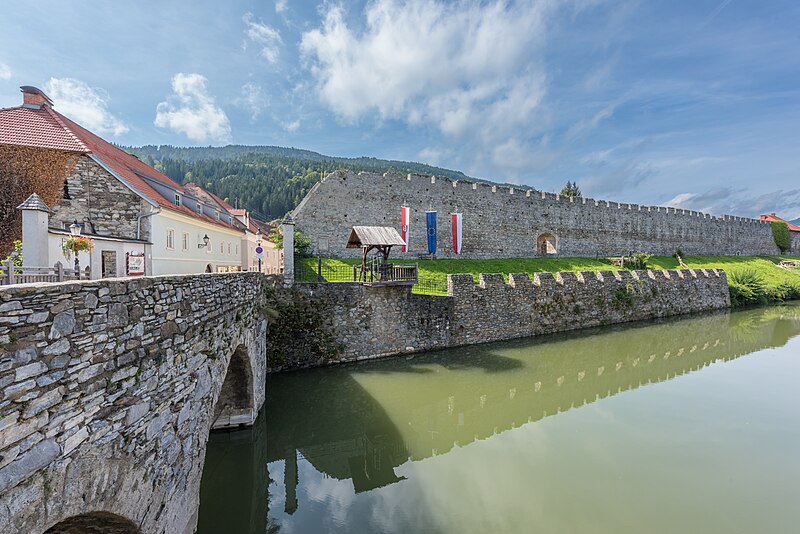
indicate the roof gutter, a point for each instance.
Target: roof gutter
{"x":142,"y":216}
{"x":123,"y":181}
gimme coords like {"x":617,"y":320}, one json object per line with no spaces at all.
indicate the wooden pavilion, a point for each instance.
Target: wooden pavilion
{"x":381,"y":239}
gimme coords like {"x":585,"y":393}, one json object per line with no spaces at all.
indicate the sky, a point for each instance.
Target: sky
{"x":693,"y":104}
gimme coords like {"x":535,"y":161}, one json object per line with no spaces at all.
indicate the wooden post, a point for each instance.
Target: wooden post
{"x":9,"y":272}
{"x":59,"y":271}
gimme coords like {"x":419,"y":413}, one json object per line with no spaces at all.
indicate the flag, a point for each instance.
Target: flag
{"x":457,"y":220}
{"x":430,"y":217}
{"x":405,"y":221}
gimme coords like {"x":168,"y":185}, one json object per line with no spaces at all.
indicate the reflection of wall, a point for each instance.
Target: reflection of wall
{"x":380,"y":413}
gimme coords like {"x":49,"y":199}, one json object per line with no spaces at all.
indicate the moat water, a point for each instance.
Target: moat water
{"x":688,"y":425}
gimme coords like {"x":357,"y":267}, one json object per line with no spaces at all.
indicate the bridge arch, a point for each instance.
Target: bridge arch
{"x":236,"y":402}
{"x":95,"y":523}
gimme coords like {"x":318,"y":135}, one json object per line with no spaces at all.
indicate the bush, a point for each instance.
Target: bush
{"x":747,"y":287}
{"x":780,"y":233}
{"x":637,"y":261}
{"x":678,"y":253}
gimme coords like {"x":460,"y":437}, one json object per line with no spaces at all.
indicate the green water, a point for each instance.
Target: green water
{"x":690,"y":425}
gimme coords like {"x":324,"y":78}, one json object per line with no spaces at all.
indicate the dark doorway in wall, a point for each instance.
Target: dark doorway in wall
{"x":546,"y":244}
{"x":109,"y":262}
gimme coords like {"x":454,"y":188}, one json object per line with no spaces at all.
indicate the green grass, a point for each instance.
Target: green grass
{"x":433,"y":273}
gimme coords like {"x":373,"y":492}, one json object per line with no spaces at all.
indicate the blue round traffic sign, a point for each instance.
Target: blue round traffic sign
{"x":259,"y":250}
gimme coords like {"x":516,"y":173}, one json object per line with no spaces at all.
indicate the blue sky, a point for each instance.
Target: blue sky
{"x":689,"y":103}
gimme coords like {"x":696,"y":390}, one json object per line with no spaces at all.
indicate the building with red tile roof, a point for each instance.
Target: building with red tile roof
{"x":773,"y":217}
{"x":112,"y":194}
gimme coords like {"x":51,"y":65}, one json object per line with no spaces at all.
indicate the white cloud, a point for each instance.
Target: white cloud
{"x":281,"y":6}
{"x":471,"y":69}
{"x":583,"y":127}
{"x":292,"y":126}
{"x":431,"y":156}
{"x":264,"y":36}
{"x":192,"y":111}
{"x":253,"y":99}
{"x":88,"y":106}
{"x":5,"y":72}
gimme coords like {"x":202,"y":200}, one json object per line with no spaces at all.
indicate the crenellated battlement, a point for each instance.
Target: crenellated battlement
{"x":460,"y":283}
{"x":549,"y":302}
{"x":505,"y":220}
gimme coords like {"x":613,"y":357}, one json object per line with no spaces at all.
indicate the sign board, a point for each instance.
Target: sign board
{"x":259,"y":252}
{"x":134,"y":262}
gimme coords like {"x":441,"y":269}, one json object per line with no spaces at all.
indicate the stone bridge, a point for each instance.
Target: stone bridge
{"x":108,"y":391}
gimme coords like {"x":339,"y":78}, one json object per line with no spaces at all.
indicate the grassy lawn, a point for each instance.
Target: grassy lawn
{"x":433,"y":273}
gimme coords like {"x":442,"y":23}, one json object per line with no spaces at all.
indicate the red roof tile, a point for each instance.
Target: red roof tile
{"x":46,"y":128}
{"x":35,"y":127}
{"x":773,"y":217}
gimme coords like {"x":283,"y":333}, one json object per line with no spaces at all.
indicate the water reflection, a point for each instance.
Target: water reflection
{"x":372,"y":426}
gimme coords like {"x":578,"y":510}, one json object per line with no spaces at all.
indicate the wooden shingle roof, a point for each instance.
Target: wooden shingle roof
{"x":364,"y":236}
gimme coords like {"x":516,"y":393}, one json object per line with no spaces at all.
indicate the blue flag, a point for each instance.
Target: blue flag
{"x":430,"y":217}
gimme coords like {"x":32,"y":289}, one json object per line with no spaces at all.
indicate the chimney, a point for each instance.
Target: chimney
{"x":33,"y":97}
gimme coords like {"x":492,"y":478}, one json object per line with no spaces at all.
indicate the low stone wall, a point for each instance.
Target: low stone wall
{"x":366,"y":322}
{"x":108,"y":389}
{"x":493,"y":310}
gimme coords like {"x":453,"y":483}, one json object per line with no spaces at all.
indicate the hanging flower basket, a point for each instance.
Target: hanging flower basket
{"x":77,"y":244}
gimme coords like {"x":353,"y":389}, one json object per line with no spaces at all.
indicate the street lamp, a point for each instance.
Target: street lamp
{"x":258,"y":244}
{"x":75,"y":230}
{"x":206,"y":239}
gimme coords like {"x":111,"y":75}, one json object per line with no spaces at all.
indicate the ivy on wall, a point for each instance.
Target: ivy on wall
{"x":25,"y":170}
{"x":300,"y":332}
{"x":780,"y":232}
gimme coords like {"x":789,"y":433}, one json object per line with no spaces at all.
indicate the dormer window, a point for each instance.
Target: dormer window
{"x":217,"y":214}
{"x":199,"y":209}
{"x":177,"y":199}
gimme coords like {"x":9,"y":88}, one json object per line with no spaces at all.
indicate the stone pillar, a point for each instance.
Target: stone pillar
{"x":35,"y":242}
{"x":287,"y":229}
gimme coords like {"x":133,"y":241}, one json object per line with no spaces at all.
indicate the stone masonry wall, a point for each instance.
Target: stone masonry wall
{"x":501,"y":221}
{"x":107,"y":390}
{"x":100,"y":202}
{"x":370,"y":322}
{"x":493,"y":310}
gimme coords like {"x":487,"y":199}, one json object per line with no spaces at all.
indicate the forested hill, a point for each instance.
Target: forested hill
{"x":269,"y":181}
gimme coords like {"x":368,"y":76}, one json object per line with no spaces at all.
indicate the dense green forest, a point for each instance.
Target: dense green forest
{"x":269,"y":181}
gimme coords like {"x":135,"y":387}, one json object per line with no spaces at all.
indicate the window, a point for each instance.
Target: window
{"x":170,"y":239}
{"x":229,"y":248}
{"x":199,"y":208}
{"x":177,"y":199}
{"x":185,"y":241}
{"x":222,"y":248}
{"x":237,"y":250}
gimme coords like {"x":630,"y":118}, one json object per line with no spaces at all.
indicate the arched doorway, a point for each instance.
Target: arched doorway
{"x":235,"y":405}
{"x":95,"y":523}
{"x":546,"y":244}
{"x":209,"y":268}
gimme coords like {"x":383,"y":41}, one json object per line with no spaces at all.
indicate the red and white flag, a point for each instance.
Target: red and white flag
{"x":457,"y":221}
{"x":405,"y":216}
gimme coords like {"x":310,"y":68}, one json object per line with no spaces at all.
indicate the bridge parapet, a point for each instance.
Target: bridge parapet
{"x":108,"y":390}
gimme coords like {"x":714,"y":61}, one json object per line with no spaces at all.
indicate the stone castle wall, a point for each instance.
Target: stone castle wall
{"x":374,"y":321}
{"x":108,"y":390}
{"x":99,"y":202}
{"x":505,"y":222}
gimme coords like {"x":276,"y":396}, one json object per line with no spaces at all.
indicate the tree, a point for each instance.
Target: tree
{"x":302,"y":244}
{"x":571,"y":189}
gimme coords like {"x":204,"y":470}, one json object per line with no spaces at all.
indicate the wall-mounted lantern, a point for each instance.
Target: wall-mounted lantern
{"x":204,"y":244}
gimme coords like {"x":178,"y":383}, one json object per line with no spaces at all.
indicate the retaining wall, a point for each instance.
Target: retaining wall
{"x":374,"y":321}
